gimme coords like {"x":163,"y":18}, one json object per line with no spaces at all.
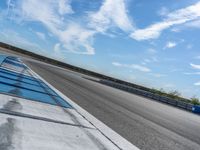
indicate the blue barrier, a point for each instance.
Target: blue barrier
{"x":2,"y":58}
{"x":170,"y":101}
{"x":28,"y":87}
{"x":196,"y":109}
{"x":14,"y":63}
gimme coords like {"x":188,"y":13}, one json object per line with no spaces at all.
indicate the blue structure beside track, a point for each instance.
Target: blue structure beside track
{"x":13,"y":82}
{"x":2,"y":58}
{"x":196,"y":109}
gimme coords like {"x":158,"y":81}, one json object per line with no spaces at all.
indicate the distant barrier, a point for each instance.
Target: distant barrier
{"x":167,"y":100}
{"x":196,"y":109}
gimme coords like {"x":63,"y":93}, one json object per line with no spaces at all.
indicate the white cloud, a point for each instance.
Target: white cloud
{"x":41,"y":35}
{"x":194,"y":66}
{"x":72,"y":36}
{"x":177,"y":17}
{"x":197,"y":83}
{"x":170,"y":44}
{"x":47,"y":14}
{"x":111,"y":13}
{"x":149,"y":60}
{"x":76,"y":39}
{"x":64,"y":7}
{"x":117,"y":64}
{"x":132,"y":66}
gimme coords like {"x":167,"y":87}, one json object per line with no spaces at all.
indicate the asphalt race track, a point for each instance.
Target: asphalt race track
{"x":147,"y":124}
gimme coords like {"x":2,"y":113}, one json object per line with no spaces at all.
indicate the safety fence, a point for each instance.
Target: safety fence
{"x":167,"y":100}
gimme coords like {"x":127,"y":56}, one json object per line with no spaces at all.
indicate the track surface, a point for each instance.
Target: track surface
{"x":147,"y":124}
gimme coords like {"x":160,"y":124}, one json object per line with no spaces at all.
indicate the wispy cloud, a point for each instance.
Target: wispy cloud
{"x":195,"y":66}
{"x":197,"y":83}
{"x":76,"y":39}
{"x":149,"y":60}
{"x":132,"y":66}
{"x":111,"y":14}
{"x":47,"y":14}
{"x":177,"y":17}
{"x":170,"y":44}
{"x":73,"y":37}
{"x":64,"y":7}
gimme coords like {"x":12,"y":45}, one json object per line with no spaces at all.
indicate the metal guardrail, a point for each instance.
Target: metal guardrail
{"x":167,"y":100}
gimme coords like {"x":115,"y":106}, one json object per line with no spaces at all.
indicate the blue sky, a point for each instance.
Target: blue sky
{"x":151,"y":43}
